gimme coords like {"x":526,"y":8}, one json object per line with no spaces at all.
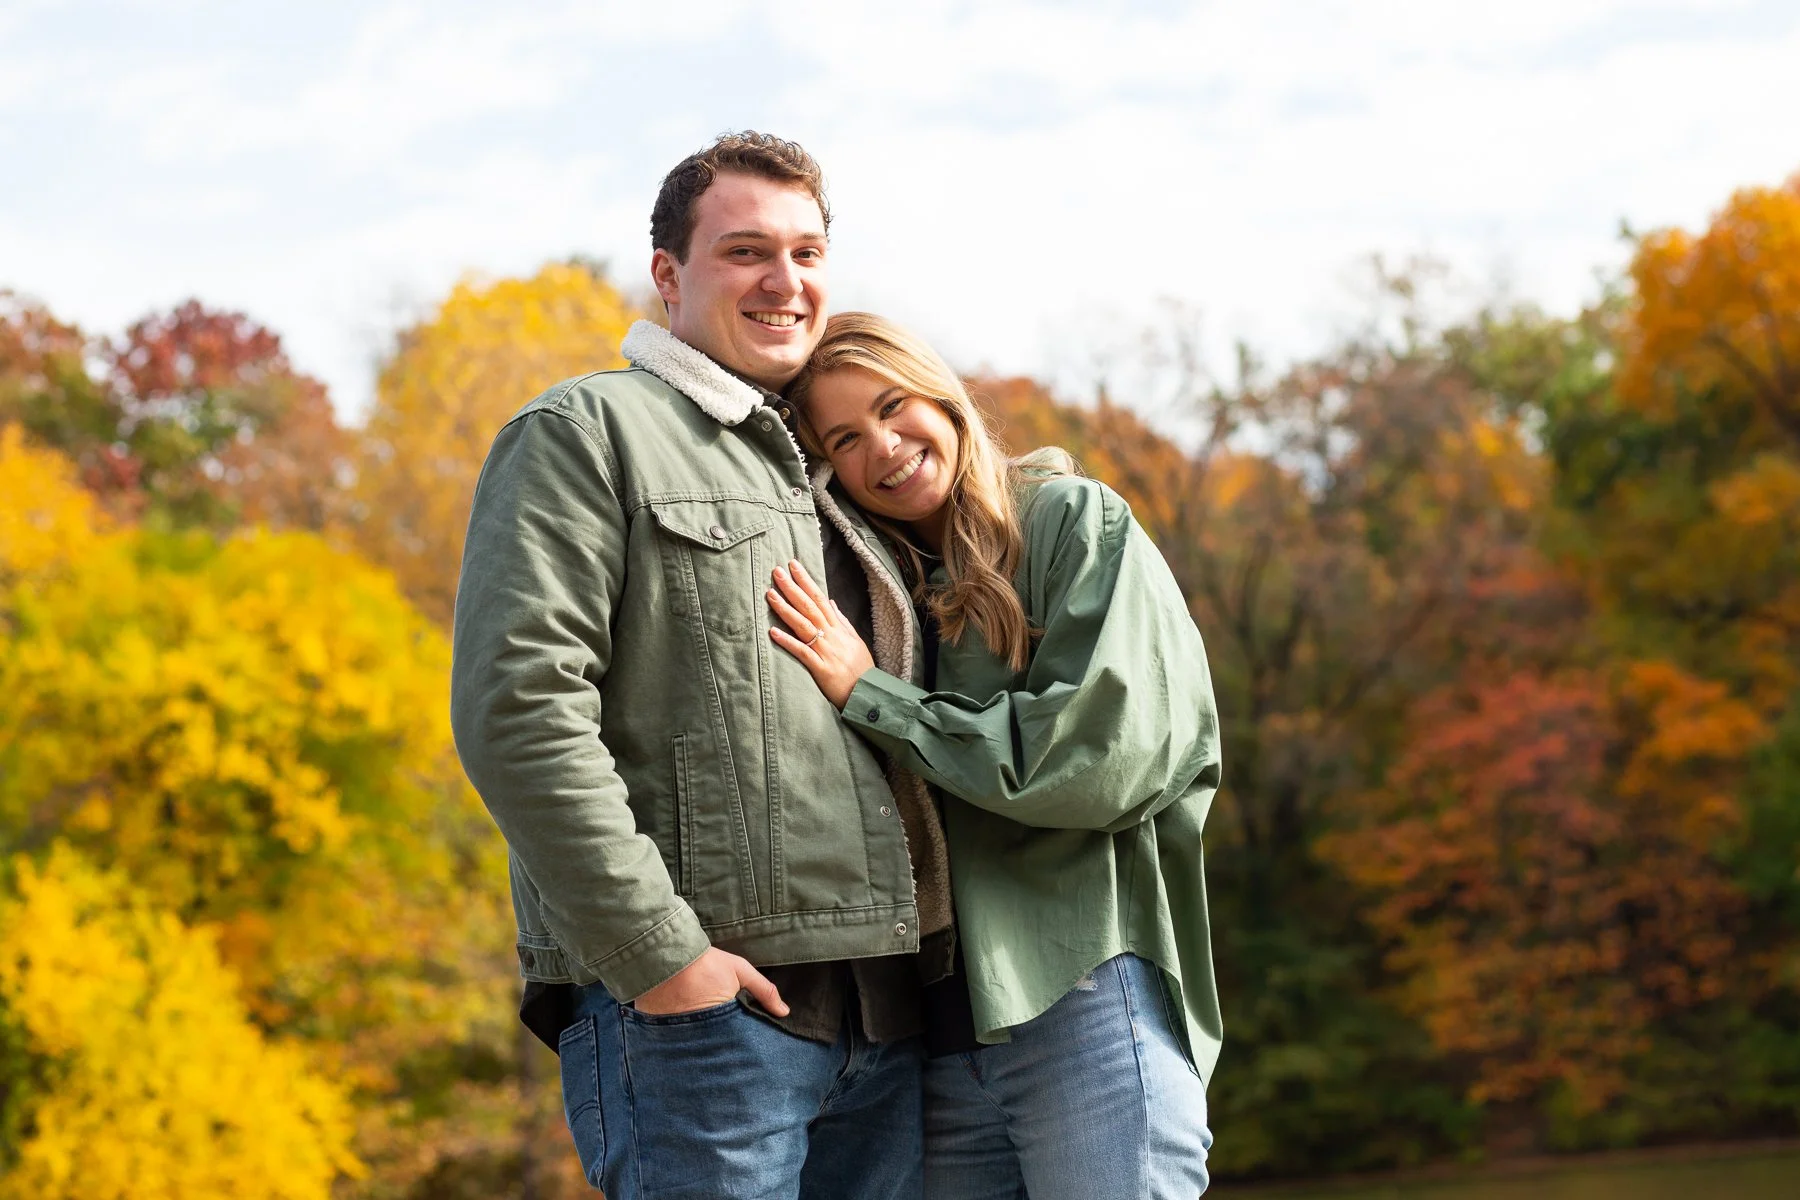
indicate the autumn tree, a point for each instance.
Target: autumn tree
{"x":136,"y":1073}
{"x":1543,"y":857}
{"x":1581,"y":870}
{"x":250,"y":734}
{"x":192,"y":417}
{"x":1718,"y":314}
{"x":450,"y":384}
{"x":48,"y":390}
{"x":225,"y":429}
{"x":1679,"y":472}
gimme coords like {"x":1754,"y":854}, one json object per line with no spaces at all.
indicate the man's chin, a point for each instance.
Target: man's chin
{"x":773,"y":371}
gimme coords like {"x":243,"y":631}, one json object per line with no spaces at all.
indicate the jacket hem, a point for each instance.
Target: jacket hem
{"x":822,"y":935}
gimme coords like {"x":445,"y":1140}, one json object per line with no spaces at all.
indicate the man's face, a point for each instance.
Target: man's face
{"x":752,"y":293}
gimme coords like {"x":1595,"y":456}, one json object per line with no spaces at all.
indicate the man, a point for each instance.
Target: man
{"x":718,"y":917}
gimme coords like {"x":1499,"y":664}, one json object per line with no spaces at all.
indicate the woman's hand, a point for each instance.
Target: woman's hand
{"x":817,"y":634}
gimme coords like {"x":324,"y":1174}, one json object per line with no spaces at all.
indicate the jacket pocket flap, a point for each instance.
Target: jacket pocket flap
{"x":710,"y":524}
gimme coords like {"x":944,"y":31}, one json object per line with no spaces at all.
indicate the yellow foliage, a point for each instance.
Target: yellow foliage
{"x":254,"y":733}
{"x":163,"y":1089}
{"x":454,"y":380}
{"x":46,"y":516}
{"x":187,"y":709}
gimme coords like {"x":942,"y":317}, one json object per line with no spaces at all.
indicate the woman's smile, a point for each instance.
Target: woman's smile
{"x":908,"y":472}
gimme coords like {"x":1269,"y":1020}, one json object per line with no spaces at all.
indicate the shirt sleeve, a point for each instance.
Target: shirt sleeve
{"x":1113,"y":719}
{"x":543,"y":567}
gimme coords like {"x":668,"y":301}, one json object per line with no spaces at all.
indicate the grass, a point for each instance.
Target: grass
{"x":1758,"y":1171}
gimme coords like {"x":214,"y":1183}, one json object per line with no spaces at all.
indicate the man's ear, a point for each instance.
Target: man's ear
{"x":665,"y":274}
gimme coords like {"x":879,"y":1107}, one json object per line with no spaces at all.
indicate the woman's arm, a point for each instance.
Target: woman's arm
{"x":1114,"y":718}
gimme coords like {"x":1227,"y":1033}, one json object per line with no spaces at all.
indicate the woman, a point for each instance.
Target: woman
{"x":1068,"y":716}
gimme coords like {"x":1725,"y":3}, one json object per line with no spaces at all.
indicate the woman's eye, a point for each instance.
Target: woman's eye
{"x":892,"y":406}
{"x":844,"y":441}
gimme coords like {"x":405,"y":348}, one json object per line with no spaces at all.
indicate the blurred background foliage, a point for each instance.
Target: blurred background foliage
{"x":1504,"y":613}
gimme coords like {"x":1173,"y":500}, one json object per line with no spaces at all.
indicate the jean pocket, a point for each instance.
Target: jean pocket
{"x":579,"y":1050}
{"x":664,"y":1020}
{"x":704,"y":1087}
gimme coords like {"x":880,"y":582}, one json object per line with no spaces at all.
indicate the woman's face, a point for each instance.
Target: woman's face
{"x":894,"y":452}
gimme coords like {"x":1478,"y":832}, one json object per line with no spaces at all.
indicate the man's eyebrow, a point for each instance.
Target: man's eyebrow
{"x":759,"y":235}
{"x":876,"y":403}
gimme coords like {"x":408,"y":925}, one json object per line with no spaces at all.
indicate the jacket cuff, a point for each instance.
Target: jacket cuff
{"x":883,"y":704}
{"x":653,"y":956}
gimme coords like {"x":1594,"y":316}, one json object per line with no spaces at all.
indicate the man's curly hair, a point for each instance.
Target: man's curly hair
{"x":747,"y":153}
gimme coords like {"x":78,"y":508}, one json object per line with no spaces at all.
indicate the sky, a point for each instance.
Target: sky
{"x":1023,"y":183}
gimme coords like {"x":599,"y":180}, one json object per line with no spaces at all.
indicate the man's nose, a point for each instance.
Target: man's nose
{"x":782,"y":277}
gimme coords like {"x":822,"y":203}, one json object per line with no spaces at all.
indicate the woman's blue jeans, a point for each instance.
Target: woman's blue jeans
{"x":721,"y":1103}
{"x":1092,"y":1098}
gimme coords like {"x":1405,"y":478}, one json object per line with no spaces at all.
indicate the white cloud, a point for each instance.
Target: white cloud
{"x":1002,"y":172}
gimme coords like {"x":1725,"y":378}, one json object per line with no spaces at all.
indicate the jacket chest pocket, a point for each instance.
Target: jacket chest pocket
{"x":717,"y":560}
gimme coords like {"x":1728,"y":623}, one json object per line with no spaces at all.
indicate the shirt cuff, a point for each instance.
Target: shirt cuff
{"x":883,"y":703}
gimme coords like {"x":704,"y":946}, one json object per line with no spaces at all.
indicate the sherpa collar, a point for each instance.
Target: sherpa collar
{"x":720,"y":394}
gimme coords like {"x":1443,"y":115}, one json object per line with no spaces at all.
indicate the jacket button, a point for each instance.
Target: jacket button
{"x":718,"y":531}
{"x":874,"y":714}
{"x":796,"y":493}
{"x":766,"y":424}
{"x":900,"y":929}
{"x":886,"y":811}
{"x":784,"y":412}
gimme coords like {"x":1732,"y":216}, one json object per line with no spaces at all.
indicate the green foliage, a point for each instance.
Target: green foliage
{"x":1767,"y":856}
{"x":1319,"y":1074}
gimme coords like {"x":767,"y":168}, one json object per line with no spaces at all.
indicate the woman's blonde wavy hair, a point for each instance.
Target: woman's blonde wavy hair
{"x":983,"y":539}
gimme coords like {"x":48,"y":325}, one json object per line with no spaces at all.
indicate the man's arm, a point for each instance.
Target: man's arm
{"x":542,"y":570}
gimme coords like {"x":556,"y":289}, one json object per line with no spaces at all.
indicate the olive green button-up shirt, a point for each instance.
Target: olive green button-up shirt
{"x":1077,"y":787}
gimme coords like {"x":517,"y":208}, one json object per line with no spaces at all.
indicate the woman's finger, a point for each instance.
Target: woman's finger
{"x":797,"y":596}
{"x":809,"y":658}
{"x":795,"y":620}
{"x":812,"y":589}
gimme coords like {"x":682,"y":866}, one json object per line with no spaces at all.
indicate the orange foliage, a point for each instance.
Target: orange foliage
{"x":1721,"y":312}
{"x":1110,"y":443}
{"x":1544,"y":907}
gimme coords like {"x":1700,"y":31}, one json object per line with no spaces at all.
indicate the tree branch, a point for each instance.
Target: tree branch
{"x":1761,"y":385}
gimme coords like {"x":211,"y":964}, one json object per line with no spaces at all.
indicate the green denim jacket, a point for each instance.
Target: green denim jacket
{"x":666,"y":777}
{"x":1078,"y":787}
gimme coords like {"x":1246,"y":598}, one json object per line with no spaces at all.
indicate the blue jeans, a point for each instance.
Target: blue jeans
{"x":720,"y":1103}
{"x":1092,"y":1098}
